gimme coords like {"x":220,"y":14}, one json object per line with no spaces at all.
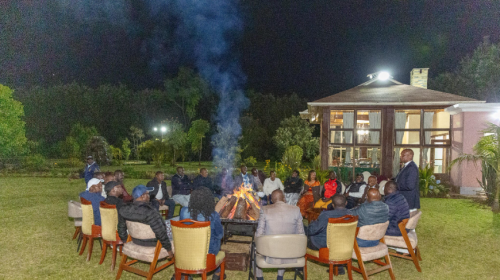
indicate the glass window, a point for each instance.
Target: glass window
{"x":437,"y":157}
{"x":341,"y":136}
{"x":340,"y":156}
{"x":396,"y":162}
{"x":367,"y":159}
{"x":405,"y":137}
{"x":368,"y":137}
{"x":342,"y":119}
{"x":437,"y":137}
{"x":407,"y":119}
{"x":369,"y":119}
{"x":436,"y":119}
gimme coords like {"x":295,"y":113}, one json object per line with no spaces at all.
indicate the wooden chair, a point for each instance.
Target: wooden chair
{"x":341,"y":235}
{"x":375,"y":253}
{"x":164,"y":211}
{"x":90,"y":231}
{"x":75,"y":212}
{"x":408,"y":240}
{"x":142,"y":253}
{"x":191,"y":242}
{"x":281,"y":246}
{"x":109,"y":224}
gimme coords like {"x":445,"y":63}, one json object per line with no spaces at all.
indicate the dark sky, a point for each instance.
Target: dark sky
{"x":313,"y":47}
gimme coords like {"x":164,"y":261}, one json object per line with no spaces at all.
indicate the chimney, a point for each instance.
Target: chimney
{"x":418,"y":77}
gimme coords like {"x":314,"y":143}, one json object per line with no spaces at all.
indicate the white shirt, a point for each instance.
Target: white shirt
{"x":358,"y":194}
{"x":270,"y":185}
{"x":159,"y":195}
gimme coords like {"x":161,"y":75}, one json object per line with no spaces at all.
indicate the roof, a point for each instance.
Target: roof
{"x":391,"y":92}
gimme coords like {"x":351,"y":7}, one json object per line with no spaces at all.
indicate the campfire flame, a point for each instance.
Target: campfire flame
{"x":247,"y":194}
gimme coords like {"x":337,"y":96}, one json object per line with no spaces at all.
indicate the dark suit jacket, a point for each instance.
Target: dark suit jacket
{"x":408,"y":185}
{"x":155,"y":184}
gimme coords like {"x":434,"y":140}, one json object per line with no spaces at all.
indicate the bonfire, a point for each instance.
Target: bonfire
{"x":242,"y":204}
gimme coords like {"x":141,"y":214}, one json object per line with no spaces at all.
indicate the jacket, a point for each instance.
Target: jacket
{"x":181,"y":185}
{"x":95,"y":198}
{"x":371,"y":213}
{"x":331,"y":188}
{"x":89,"y":171}
{"x":408,"y":184}
{"x":398,"y":211}
{"x":238,"y":181}
{"x":156,"y":185}
{"x":317,"y":229}
{"x":216,"y":229}
{"x":201,"y":181}
{"x":145,"y":213}
{"x":293,"y":185}
{"x":113,"y":200}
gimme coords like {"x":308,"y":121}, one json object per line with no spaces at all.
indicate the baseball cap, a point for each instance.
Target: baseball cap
{"x":110,"y":185}
{"x":140,"y":190}
{"x":90,"y":157}
{"x":93,"y":181}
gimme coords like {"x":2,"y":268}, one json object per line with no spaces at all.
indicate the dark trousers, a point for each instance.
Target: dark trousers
{"x":169,"y":202}
{"x":352,"y":202}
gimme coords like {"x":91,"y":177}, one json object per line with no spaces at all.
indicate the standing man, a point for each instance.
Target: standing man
{"x":90,"y":169}
{"x":159,"y":194}
{"x":278,"y":218}
{"x":181,"y":187}
{"x":408,"y":180}
{"x":245,"y":179}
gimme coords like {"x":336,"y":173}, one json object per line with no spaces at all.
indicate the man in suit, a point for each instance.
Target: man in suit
{"x":248,"y":180}
{"x":278,"y":218}
{"x":159,"y":194}
{"x":408,"y":180}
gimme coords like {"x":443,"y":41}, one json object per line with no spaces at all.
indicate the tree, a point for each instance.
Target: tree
{"x":487,"y":151}
{"x":292,"y":157}
{"x":126,"y":148}
{"x":82,"y":135}
{"x":196,"y":134}
{"x":176,"y":139}
{"x":98,"y":147}
{"x":12,"y":130}
{"x":295,"y":131}
{"x":185,"y":92}
{"x":478,"y":75}
{"x":136,"y":134}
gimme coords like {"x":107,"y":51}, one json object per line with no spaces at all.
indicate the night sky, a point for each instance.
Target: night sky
{"x":314,"y":48}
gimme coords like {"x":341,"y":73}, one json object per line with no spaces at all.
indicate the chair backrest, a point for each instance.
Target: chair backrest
{"x":366,"y":175}
{"x":341,"y":233}
{"x":109,"y":221}
{"x":414,"y":218}
{"x":87,"y":216}
{"x":139,"y":230}
{"x":382,"y":186}
{"x":373,"y":232}
{"x":282,"y":246}
{"x":191,"y":242}
{"x":74,"y":209}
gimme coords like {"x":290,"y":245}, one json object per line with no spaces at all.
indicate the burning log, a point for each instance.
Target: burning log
{"x":253,"y":210}
{"x":220,"y":205}
{"x":241,"y":209}
{"x":228,"y":207}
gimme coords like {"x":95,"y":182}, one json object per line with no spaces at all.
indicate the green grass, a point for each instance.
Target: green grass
{"x":458,"y":238}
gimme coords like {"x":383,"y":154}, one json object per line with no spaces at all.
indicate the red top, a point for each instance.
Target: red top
{"x":126,"y":196}
{"x":330,"y":188}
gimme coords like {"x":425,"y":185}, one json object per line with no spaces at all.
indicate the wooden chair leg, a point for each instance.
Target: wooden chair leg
{"x":418,"y":254}
{"x":103,"y":254}
{"x":414,"y":259}
{"x":77,"y":230}
{"x":120,"y":268}
{"x":363,"y":269}
{"x":91,"y":244}
{"x":152,"y":267}
{"x":222,"y":269}
{"x":113,"y":257}
{"x":84,"y":244}
{"x":305,"y":269}
{"x":185,"y":277}
{"x":203,"y":276}
{"x":330,"y":272}
{"x":336,"y":270}
{"x":388,"y":261}
{"x":349,"y":270}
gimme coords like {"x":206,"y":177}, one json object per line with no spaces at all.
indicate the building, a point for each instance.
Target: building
{"x":366,"y":127}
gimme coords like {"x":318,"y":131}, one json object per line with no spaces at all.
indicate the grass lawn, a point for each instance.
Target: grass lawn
{"x":458,"y":238}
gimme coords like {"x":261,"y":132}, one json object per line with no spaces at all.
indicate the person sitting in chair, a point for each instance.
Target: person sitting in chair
{"x":181,"y":187}
{"x":398,"y":208}
{"x":355,"y":191}
{"x":331,"y":187}
{"x":93,"y":194}
{"x":113,"y":191}
{"x":372,"y":184}
{"x":202,"y":180}
{"x":278,"y":218}
{"x":159,"y":194}
{"x":293,"y":188}
{"x":374,"y":211}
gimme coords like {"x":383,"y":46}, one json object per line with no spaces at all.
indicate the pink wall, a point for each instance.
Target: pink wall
{"x":466,"y":131}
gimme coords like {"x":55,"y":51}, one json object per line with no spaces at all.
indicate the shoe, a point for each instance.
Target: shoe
{"x":341,"y":270}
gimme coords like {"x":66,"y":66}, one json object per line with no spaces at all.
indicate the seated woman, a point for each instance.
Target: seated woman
{"x":293,"y":188}
{"x":271,"y":184}
{"x":201,"y":208}
{"x":331,"y":187}
{"x":307,"y":199}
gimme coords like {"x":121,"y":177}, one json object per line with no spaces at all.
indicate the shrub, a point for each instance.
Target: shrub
{"x":250,"y":161}
{"x":36,"y":162}
{"x":292,"y":157}
{"x":429,"y":186}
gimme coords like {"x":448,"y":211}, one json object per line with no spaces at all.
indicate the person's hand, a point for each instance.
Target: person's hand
{"x":170,"y":254}
{"x":325,"y":199}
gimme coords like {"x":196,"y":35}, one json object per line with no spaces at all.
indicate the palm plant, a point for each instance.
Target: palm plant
{"x":487,"y":151}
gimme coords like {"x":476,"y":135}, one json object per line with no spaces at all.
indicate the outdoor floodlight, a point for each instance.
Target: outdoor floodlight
{"x":383,"y":76}
{"x":163,"y":129}
{"x":155,"y":128}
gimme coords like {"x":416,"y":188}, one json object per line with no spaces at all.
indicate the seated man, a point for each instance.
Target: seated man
{"x":224,"y":182}
{"x":246,"y":180}
{"x":374,"y":211}
{"x":372,"y":184}
{"x":181,"y":187}
{"x":93,"y":194}
{"x":293,"y":188}
{"x":202,"y":180}
{"x":143,"y":212}
{"x":278,"y":218}
{"x":113,"y":191}
{"x":159,"y":194}
{"x":398,"y":208}
{"x":260,"y":177}
{"x":331,"y":187}
{"x":119,"y":178}
{"x":316,"y":231}
{"x":355,"y":191}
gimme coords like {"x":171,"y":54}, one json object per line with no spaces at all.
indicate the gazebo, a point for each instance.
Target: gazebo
{"x":365,"y":128}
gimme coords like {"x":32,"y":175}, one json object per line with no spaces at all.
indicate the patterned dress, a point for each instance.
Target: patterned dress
{"x":307,"y":199}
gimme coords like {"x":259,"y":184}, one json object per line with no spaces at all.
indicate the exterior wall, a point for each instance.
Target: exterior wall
{"x":418,"y":77}
{"x":466,"y":131}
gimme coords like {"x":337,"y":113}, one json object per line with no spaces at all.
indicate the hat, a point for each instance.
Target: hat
{"x":93,"y":181}
{"x":140,"y":190}
{"x":90,"y":157}
{"x":110,"y":185}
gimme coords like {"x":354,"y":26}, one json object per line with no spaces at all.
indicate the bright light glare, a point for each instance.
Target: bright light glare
{"x":163,"y":129}
{"x":155,"y":128}
{"x":383,"y":76}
